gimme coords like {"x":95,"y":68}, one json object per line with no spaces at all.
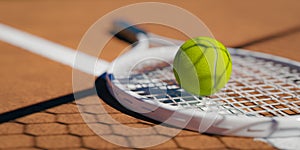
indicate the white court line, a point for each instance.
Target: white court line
{"x":53,"y":51}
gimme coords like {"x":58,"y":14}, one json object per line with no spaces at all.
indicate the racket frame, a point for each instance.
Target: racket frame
{"x":234,"y":125}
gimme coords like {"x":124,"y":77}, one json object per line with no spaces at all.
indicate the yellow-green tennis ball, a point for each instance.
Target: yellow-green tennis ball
{"x":202,"y":66}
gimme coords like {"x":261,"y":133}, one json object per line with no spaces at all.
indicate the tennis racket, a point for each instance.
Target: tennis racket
{"x":261,"y":99}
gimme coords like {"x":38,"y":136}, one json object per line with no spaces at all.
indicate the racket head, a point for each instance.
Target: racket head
{"x":260,"y":100}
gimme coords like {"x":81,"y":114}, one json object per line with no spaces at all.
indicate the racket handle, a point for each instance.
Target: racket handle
{"x":126,"y":32}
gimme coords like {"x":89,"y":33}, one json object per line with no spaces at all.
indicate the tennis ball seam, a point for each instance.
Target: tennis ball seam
{"x":196,"y":44}
{"x":227,"y":66}
{"x":201,"y":56}
{"x":203,"y":52}
{"x":206,"y":60}
{"x":224,"y":71}
{"x":215,"y":62}
{"x":215,"y":80}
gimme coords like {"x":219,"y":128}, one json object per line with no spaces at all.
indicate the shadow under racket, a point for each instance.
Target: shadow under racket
{"x":102,"y":92}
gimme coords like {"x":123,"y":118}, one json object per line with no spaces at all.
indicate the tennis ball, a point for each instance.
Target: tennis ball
{"x":202,"y":66}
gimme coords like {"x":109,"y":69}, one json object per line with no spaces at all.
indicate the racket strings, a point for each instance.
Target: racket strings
{"x":258,"y":87}
{"x":157,"y":83}
{"x":265,"y":88}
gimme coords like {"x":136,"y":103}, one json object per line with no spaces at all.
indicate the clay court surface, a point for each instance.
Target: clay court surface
{"x":28,"y":79}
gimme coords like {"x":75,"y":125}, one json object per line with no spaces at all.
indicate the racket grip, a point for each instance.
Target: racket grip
{"x":126,"y":32}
